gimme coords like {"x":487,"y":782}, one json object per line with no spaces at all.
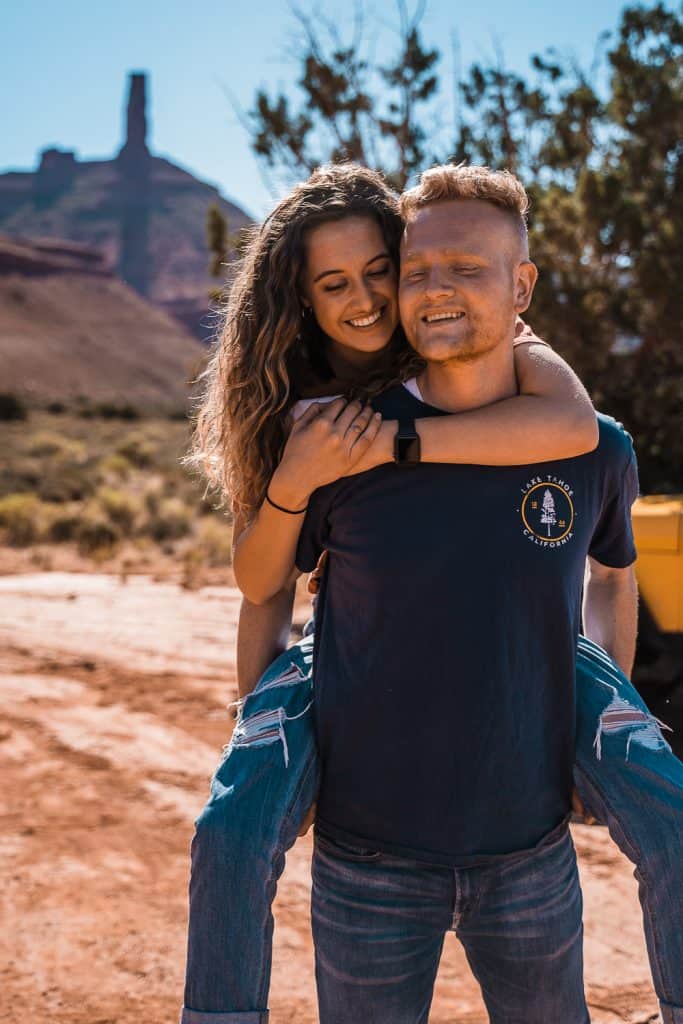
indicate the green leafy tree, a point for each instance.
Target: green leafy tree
{"x":600,"y":153}
{"x":604,"y":174}
{"x":632,"y":202}
{"x":351,"y":108}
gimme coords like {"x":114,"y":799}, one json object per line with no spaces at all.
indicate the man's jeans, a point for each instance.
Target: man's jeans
{"x":379,"y":923}
{"x":625,"y":772}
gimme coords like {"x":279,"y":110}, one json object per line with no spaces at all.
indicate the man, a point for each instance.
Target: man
{"x":445,"y":656}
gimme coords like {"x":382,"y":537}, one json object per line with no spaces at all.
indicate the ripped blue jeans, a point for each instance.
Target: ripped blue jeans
{"x":625,"y":772}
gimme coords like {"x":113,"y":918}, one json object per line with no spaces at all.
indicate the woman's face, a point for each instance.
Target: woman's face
{"x":351,"y":284}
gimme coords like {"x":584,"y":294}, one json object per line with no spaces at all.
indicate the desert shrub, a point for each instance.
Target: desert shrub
{"x":95,"y":533}
{"x":64,"y":525}
{"x":19,"y":476}
{"x":22,"y":519}
{"x":171,"y":520}
{"x":12,"y":407}
{"x":214,"y":542}
{"x":153,"y":495}
{"x":61,"y":482}
{"x":137,"y":449}
{"x":114,"y":465}
{"x":56,"y":408}
{"x":115,"y":411}
{"x":121,"y":508}
{"x":193,"y":564}
{"x":47,"y":443}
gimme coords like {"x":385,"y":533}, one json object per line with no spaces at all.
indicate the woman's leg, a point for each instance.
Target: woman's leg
{"x":259,"y":795}
{"x":629,"y":779}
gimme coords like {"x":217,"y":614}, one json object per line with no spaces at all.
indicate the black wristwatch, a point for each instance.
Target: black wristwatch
{"x":406,"y":444}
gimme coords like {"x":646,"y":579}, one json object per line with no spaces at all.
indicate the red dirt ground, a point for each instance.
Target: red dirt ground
{"x":112,"y":717}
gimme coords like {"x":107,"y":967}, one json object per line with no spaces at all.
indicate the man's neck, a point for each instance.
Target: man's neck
{"x":459,"y":385}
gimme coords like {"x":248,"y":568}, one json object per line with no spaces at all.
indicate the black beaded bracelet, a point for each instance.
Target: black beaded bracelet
{"x":281,"y":508}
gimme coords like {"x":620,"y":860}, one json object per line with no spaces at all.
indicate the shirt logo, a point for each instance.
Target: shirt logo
{"x":547,"y":511}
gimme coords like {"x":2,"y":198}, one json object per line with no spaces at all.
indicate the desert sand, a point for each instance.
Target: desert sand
{"x":113,"y":711}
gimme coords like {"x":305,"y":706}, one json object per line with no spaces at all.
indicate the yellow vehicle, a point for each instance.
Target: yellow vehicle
{"x":658,"y":672}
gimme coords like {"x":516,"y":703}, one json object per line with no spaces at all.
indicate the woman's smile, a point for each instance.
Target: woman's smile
{"x":350,"y":282}
{"x":367,"y":320}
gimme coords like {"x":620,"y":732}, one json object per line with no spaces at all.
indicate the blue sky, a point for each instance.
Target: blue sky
{"x":63,"y":69}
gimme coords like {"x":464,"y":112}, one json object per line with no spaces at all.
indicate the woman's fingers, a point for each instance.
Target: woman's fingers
{"x":346,"y":417}
{"x":339,"y":430}
{"x":328,"y":411}
{"x":332,"y":410}
{"x":307,"y":416}
{"x":367,"y":435}
{"x":357,"y":425}
{"x":354,"y":421}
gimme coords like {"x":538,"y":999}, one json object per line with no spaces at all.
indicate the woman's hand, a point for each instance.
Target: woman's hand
{"x":324,"y":444}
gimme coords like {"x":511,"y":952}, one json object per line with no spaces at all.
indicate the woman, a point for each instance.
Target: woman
{"x":314,"y":313}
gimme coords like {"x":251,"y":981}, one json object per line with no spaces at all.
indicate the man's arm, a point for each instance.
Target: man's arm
{"x":610,"y":611}
{"x":262,"y":634}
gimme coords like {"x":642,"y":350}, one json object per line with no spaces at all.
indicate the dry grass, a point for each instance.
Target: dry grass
{"x":108,"y":489}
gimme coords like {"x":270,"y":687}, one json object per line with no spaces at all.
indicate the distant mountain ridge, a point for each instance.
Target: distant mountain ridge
{"x":144,"y":213}
{"x":71,"y":329}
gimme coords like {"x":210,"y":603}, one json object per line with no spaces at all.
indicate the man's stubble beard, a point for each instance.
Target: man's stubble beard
{"x":467,"y":350}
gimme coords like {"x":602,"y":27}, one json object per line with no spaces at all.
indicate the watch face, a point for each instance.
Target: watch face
{"x":407,"y":450}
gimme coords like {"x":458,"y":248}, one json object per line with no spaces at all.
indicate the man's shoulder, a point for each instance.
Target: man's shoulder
{"x":615,"y":444}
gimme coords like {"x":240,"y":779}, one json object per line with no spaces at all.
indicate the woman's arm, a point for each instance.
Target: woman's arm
{"x":262,"y":633}
{"x":323,"y":445}
{"x":551,"y":418}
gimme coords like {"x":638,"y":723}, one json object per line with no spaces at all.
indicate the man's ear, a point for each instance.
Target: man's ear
{"x":527,"y":275}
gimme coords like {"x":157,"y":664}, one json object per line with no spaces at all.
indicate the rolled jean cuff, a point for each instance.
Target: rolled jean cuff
{"x":243,"y":1017}
{"x":671,"y":1014}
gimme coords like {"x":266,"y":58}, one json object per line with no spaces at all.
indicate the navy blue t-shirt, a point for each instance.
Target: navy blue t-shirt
{"x":445,"y":646}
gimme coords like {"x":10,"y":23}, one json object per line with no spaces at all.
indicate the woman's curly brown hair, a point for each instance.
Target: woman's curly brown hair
{"x":266,"y":348}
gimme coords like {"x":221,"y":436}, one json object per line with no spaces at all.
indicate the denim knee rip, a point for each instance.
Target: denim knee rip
{"x":267,"y":726}
{"x":621,"y":716}
{"x":263,"y":728}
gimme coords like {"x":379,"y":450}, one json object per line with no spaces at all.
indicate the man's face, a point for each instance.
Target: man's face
{"x":464,"y":277}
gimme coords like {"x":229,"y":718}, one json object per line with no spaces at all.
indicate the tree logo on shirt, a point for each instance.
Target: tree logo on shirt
{"x":547,"y":511}
{"x":549,"y":517}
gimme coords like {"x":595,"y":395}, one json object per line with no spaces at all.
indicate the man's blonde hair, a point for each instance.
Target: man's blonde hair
{"x":464,"y":181}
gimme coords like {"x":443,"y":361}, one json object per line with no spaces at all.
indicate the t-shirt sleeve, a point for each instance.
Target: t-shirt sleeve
{"x":314,"y":532}
{"x":612,"y":543}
